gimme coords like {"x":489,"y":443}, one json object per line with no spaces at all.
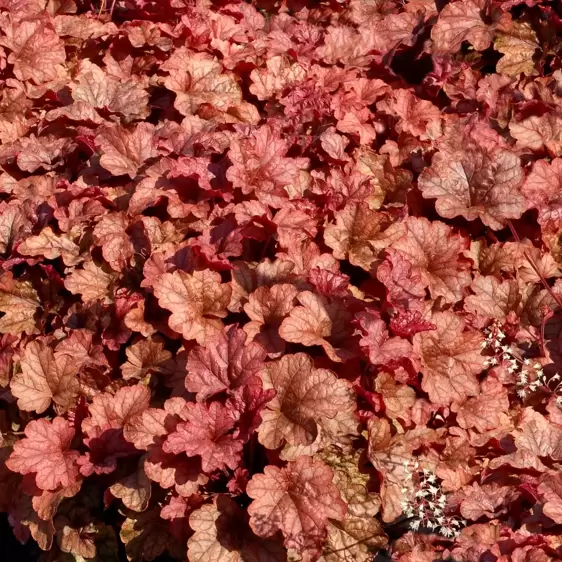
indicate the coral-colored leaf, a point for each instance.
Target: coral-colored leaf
{"x":493,"y":298}
{"x":94,"y":87}
{"x":51,"y":246}
{"x":144,"y":357}
{"x":485,"y":411}
{"x":397,"y":398}
{"x":134,"y":490}
{"x":476,"y":184}
{"x":435,"y":250}
{"x":537,"y":436}
{"x":19,"y":303}
{"x":319,"y":322}
{"x":46,"y":452}
{"x":518,"y":43}
{"x":451,"y":358}
{"x":124,"y":151}
{"x":539,"y":132}
{"x":378,"y":345}
{"x":551,"y":490}
{"x":298,"y":501}
{"x":359,"y":234}
{"x":110,"y":233}
{"x":196,"y":301}
{"x":37,"y":52}
{"x":207,"y":432}
{"x":461,"y":21}
{"x":225,"y":363}
{"x":267,"y":307}
{"x":354,"y":540}
{"x":304,"y":395}
{"x":222,"y":534}
{"x":91,"y":281}
{"x":118,"y":410}
{"x":543,"y":182}
{"x":45,"y":377}
{"x":418,"y":117}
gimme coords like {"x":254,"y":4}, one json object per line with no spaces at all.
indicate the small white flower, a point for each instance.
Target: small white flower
{"x":556,"y":377}
{"x":433,"y":490}
{"x":521,"y":393}
{"x":415,"y":525}
{"x":526,"y":361}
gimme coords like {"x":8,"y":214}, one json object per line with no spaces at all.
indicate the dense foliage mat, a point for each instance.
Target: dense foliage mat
{"x":280,"y":280}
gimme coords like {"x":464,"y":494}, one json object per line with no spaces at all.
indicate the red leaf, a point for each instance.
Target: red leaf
{"x":410,"y":323}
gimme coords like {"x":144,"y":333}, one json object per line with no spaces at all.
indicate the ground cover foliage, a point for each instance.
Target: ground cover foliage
{"x":280,"y":281}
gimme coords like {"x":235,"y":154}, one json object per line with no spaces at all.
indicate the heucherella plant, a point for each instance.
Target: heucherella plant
{"x":255,"y":254}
